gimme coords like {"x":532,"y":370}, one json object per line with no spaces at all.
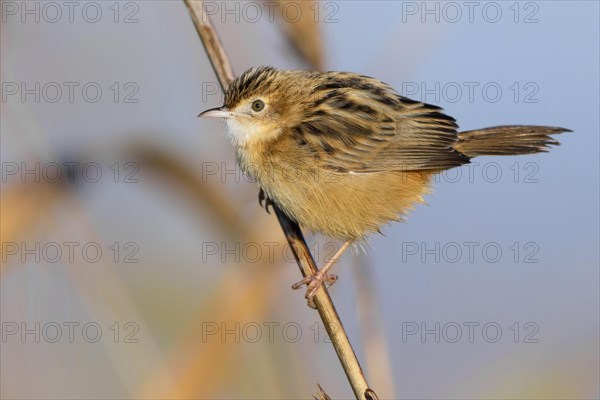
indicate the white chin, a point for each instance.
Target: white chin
{"x":241,"y":133}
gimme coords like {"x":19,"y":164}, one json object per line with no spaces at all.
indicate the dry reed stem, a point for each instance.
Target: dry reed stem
{"x":304,"y":33}
{"x":306,"y":263}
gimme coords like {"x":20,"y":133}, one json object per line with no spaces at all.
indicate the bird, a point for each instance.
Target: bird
{"x":344,"y":154}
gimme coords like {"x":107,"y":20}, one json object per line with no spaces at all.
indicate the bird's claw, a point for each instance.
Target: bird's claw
{"x":262,"y":197}
{"x":313,"y":282}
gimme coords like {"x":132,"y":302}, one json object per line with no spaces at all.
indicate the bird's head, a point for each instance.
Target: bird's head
{"x":259,"y":104}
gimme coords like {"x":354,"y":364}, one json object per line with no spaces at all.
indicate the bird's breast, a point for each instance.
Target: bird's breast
{"x":340,"y":205}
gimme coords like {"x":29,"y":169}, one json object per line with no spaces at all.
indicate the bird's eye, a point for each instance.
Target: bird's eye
{"x":258,"y":105}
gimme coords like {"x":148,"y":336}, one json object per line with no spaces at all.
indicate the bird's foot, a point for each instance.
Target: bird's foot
{"x":313,"y":282}
{"x":262,"y":197}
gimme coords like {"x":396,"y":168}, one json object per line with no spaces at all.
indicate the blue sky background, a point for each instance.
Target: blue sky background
{"x":553,"y":212}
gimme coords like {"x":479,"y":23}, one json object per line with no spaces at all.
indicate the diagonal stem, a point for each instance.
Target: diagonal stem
{"x":292,"y":231}
{"x":326,"y":309}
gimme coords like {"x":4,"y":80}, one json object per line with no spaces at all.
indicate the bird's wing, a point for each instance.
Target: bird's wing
{"x":367,"y":127}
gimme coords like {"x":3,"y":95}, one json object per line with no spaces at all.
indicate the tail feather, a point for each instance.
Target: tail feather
{"x":507,"y":140}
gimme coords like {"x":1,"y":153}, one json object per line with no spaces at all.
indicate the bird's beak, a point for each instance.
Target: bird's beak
{"x":218,"y":112}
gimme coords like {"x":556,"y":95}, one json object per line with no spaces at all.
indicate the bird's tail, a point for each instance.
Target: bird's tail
{"x":507,"y":140}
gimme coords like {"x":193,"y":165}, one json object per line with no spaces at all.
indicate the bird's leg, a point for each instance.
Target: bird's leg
{"x":314,"y":281}
{"x":262,"y":196}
